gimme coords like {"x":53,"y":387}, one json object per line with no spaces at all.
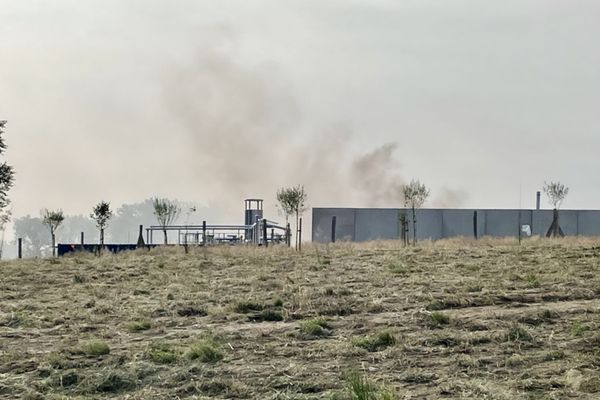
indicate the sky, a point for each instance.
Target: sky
{"x":212,"y":102}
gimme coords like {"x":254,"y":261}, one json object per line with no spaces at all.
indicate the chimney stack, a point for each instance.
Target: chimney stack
{"x":537,"y":200}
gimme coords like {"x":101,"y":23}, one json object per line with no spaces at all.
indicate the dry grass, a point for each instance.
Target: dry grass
{"x":454,"y":319}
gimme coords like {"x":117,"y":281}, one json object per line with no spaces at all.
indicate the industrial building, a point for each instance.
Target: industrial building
{"x":363,"y":224}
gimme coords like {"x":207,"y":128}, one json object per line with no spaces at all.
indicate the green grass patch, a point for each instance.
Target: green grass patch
{"x":578,"y":329}
{"x":266,"y":315}
{"x":162,"y":353}
{"x":517,"y":333}
{"x":378,"y":342}
{"x":95,"y":348}
{"x":278,"y":302}
{"x":244,"y":307}
{"x":206,"y":351}
{"x":317,"y":326}
{"x":437,"y":318}
{"x":114,"y":381}
{"x":359,"y":387}
{"x":138,"y":326}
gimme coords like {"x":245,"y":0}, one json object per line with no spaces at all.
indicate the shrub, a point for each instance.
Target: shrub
{"x":378,"y":342}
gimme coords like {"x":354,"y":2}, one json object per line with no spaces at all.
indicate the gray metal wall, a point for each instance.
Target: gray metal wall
{"x":363,"y":224}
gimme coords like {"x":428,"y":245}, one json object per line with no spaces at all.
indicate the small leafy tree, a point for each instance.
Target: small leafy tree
{"x":284,"y":200}
{"x":166,"y":213}
{"x":52,"y":219}
{"x":415,"y":194}
{"x":556,"y":192}
{"x":293,"y":202}
{"x":6,"y":181}
{"x":101,"y":214}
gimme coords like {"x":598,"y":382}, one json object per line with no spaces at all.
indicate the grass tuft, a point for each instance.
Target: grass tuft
{"x":138,"y":326}
{"x":317,"y":326}
{"x":517,"y":333}
{"x":278,"y":302}
{"x":378,"y":342}
{"x":95,"y":348}
{"x":361,"y":388}
{"x":438,"y":318}
{"x":206,"y":351}
{"x":162,"y":353}
{"x":115,"y":381}
{"x":245,"y":306}
{"x":266,"y":315}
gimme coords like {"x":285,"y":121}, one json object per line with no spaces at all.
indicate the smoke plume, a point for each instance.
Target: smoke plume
{"x":236,"y":124}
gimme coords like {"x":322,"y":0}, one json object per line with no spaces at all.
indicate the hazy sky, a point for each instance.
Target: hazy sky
{"x":212,"y":101}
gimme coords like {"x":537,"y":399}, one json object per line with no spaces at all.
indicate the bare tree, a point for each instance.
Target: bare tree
{"x":52,"y":219}
{"x":101,"y":214}
{"x":556,"y":192}
{"x":166,"y":213}
{"x":415,"y":194}
{"x":292,"y":201}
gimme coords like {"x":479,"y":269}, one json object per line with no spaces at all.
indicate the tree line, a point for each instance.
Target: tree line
{"x":39,"y":233}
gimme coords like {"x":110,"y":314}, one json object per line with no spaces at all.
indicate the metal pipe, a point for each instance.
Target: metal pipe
{"x":538,"y":196}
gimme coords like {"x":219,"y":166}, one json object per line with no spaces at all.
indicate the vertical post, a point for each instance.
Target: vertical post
{"x":520,"y":226}
{"x":288,"y":235}
{"x":256,"y":234}
{"x":140,"y":241}
{"x":20,"y":248}
{"x":272,"y":235}
{"x":300,"y":235}
{"x":204,"y":232}
{"x":537,"y":200}
{"x":264,"y":233}
{"x":475,"y":224}
{"x":333,"y":221}
{"x":82,"y":241}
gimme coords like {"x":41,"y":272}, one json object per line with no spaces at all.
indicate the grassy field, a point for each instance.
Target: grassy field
{"x":452,"y":319}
